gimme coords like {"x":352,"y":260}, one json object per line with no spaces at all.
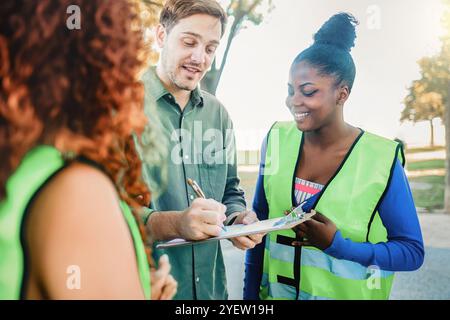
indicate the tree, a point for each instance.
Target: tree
{"x":430,"y":95}
{"x":240,"y":12}
{"x":424,"y":103}
{"x":149,"y":11}
{"x":445,"y":55}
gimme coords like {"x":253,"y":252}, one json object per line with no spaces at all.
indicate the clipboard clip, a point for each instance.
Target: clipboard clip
{"x":297,"y":213}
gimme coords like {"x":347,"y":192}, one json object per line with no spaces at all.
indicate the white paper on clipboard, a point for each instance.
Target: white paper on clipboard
{"x":233,"y":231}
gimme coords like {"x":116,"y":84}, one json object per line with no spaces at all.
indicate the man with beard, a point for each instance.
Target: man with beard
{"x":201,"y":147}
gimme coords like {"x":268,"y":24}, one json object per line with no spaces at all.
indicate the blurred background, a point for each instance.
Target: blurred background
{"x":401,"y":91}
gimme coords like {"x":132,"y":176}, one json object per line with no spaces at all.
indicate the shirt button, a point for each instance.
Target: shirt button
{"x":192,"y":197}
{"x":197,"y":279}
{"x":186,"y":157}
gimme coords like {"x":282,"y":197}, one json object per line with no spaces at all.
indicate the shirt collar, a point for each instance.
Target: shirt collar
{"x":154,"y":84}
{"x":157,"y":89}
{"x":197,"y":97}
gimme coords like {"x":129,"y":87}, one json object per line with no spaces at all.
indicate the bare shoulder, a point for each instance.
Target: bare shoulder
{"x":75,"y":193}
{"x":76,"y":220}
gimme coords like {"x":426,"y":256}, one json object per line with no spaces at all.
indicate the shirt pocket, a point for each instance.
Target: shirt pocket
{"x":213,"y":174}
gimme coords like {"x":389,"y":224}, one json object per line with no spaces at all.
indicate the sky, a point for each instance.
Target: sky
{"x":391,"y":38}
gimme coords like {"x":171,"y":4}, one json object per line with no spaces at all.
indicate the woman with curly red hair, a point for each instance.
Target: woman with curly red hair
{"x":70,"y":102}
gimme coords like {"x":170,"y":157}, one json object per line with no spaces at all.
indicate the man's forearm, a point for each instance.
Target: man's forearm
{"x":163,"y":225}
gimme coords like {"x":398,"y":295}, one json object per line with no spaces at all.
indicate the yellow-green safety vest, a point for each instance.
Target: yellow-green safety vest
{"x":38,"y":166}
{"x":350,"y":199}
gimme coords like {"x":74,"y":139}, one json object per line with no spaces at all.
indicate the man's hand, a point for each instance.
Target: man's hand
{"x":163,"y":285}
{"x":247,"y":242}
{"x":319,"y":232}
{"x":202,"y":220}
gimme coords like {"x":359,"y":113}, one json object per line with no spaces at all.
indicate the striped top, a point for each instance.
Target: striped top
{"x":305,"y":189}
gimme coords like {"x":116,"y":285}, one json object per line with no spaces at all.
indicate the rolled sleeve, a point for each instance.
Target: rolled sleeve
{"x":234,"y":197}
{"x":145,"y":214}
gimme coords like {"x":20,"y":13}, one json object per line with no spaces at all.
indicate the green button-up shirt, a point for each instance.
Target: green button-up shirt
{"x":201,"y":147}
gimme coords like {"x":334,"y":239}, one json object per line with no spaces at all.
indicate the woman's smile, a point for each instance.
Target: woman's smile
{"x":300,"y":116}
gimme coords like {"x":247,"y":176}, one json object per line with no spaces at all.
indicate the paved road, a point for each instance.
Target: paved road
{"x":432,"y":281}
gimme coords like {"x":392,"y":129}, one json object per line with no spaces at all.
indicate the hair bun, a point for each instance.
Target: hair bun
{"x":338,"y":31}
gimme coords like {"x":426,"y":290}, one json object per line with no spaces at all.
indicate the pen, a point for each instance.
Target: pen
{"x":199,"y":192}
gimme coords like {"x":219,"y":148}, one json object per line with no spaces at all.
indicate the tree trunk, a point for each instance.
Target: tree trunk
{"x":211,"y":80}
{"x":432,"y":133}
{"x":447,"y":153}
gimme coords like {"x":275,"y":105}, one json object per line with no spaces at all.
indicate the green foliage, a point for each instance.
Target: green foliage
{"x":149,"y":11}
{"x":433,"y":197}
{"x":426,"y":165}
{"x":428,"y":96}
{"x":253,"y":11}
{"x":424,"y":149}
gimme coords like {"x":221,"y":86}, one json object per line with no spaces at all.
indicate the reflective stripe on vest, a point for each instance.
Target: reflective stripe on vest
{"x":350,"y":200}
{"x":39,"y":165}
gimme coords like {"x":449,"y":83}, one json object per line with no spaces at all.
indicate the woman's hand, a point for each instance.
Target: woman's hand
{"x":164,"y":286}
{"x":318,"y":232}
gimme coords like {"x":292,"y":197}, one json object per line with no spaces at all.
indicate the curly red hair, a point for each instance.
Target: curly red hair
{"x":77,"y":90}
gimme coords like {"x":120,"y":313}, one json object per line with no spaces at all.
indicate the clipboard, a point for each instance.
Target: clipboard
{"x":233,"y":231}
